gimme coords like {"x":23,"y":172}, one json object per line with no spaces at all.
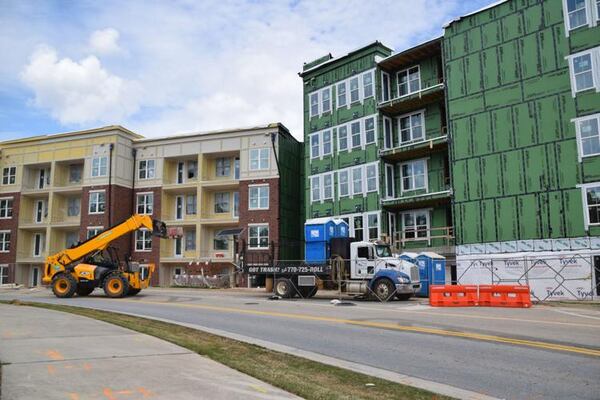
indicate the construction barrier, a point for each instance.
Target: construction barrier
{"x":483,"y":296}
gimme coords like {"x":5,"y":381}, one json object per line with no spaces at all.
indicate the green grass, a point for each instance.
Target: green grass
{"x":305,"y":378}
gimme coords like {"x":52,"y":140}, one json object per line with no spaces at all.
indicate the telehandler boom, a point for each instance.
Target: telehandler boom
{"x":93,"y":263}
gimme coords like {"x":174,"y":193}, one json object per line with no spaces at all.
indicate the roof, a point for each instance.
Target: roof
{"x":333,"y":59}
{"x":126,"y":131}
{"x":431,"y":254}
{"x":412,"y":55}
{"x":492,"y":5}
{"x":324,"y":220}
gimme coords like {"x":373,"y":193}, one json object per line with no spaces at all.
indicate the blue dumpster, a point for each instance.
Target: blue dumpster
{"x":432,"y":271}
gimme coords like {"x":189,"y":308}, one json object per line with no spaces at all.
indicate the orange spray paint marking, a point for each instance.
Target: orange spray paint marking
{"x":109,"y":394}
{"x":51,"y":369}
{"x":55,"y":355}
{"x":87,"y":366}
{"x":73,"y":396}
{"x":145,"y":392}
{"x":124,"y":392}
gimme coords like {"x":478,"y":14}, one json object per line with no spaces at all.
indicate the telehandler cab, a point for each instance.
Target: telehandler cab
{"x":93,"y":263}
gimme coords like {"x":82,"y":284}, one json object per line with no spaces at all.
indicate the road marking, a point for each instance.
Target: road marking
{"x":55,"y":355}
{"x":385,"y":325}
{"x":575,"y":314}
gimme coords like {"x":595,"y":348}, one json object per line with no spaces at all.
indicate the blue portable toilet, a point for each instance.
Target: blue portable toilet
{"x":341,"y":229}
{"x":409,"y":256}
{"x":319,"y":229}
{"x":432,"y":271}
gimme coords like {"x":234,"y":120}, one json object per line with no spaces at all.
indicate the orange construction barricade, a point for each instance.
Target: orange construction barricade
{"x":516,"y":296}
{"x":453,"y":295}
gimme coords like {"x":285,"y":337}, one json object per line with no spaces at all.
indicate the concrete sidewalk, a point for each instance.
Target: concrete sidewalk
{"x":53,"y":355}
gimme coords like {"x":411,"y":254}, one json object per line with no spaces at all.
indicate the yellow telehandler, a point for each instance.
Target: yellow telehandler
{"x":91,"y":264}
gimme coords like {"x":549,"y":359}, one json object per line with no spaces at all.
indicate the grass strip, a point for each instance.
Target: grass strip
{"x":305,"y":378}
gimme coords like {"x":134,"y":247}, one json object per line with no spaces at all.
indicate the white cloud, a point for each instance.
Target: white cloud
{"x":79,"y":92}
{"x":105,"y":41}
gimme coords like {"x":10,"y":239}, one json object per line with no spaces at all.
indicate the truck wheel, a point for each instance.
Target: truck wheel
{"x":133,"y":292}
{"x":84,"y":290}
{"x":115,"y":285}
{"x":64,"y":285}
{"x":284,"y":288}
{"x":307,"y":292}
{"x":404,"y":297}
{"x":384,"y":289}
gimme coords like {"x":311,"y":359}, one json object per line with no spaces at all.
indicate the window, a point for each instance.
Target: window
{"x":99,"y":166}
{"x":314,"y":104}
{"x":259,"y":159}
{"x":4,"y":241}
{"x":146,"y":169}
{"x":341,"y":94}
{"x":372,"y":178}
{"x":178,"y":207}
{"x":180,"y":174}
{"x":93,"y":231}
{"x":370,"y":130}
{"x":192,"y":169}
{"x":388,"y":141}
{"x":315,"y":188}
{"x":40,"y":211}
{"x":190,"y":240}
{"x":358,"y":227}
{"x":221,"y":203}
{"x":190,"y":204}
{"x":220,"y":243}
{"x":3,"y":274}
{"x":223,"y":166}
{"x":588,"y":136}
{"x":389,"y":181}
{"x":342,"y":132}
{"x":409,"y":81}
{"x":236,"y":168}
{"x":315,"y":147}
{"x":258,"y":236}
{"x":354,"y":90}
{"x":178,"y":243}
{"x":9,"y":175}
{"x":97,"y":202}
{"x":411,"y":127}
{"x":39,"y":244}
{"x":73,"y":206}
{"x":373,"y":226}
{"x":591,"y":199}
{"x":413,"y":175}
{"x":355,"y":130}
{"x":143,"y":240}
{"x":357,"y":180}
{"x":325,"y":100}
{"x":75,"y":172}
{"x":576,"y":13}
{"x":415,"y":224}
{"x":145,"y":201}
{"x":326,"y":142}
{"x":258,"y":197}
{"x":6,"y":207}
{"x":328,"y":186}
{"x":584,"y":70}
{"x":367,"y":84}
{"x":43,"y":178}
{"x":71,"y":239}
{"x":236,"y":204}
{"x":385,"y":86}
{"x":344,"y":190}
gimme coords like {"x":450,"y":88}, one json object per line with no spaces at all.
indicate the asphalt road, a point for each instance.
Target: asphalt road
{"x":539,"y":353}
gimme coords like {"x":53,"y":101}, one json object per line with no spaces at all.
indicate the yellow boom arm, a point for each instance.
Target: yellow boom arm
{"x":59,"y":261}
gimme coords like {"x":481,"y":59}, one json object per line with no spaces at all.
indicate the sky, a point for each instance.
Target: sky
{"x":170,"y":67}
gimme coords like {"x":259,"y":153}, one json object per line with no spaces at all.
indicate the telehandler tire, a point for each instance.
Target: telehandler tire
{"x":115,"y":285}
{"x":133,"y":292}
{"x":64,"y":285}
{"x":84,"y":290}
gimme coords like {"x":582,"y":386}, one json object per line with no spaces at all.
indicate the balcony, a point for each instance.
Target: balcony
{"x":33,"y":212}
{"x":36,"y":178}
{"x":436,"y":239}
{"x":180,"y":173}
{"x":416,"y":149}
{"x":216,"y":248}
{"x":431,"y":91}
{"x":66,"y":210}
{"x":180,"y":208}
{"x":31,"y":246}
{"x":68,"y":176}
{"x":221,"y":171}
{"x":437,"y":191}
{"x":219,"y":207}
{"x":180,"y":250}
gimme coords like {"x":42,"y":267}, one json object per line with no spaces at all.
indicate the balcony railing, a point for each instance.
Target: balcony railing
{"x":431,"y":90}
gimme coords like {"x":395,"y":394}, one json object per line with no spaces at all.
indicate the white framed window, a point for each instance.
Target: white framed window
{"x":363,"y":226}
{"x":4,"y":241}
{"x":315,"y":145}
{"x":373,"y":227}
{"x":357,"y":180}
{"x":388,"y":138}
{"x":9,"y":175}
{"x":258,"y":236}
{"x":146,"y":169}
{"x":259,"y":159}
{"x":411,"y":127}
{"x":73,"y":206}
{"x":190,"y":240}
{"x":315,"y":188}
{"x":414,"y":175}
{"x":385,"y":87}
{"x":178,"y":247}
{"x":372,"y":178}
{"x":190,"y":204}
{"x":97,"y":202}
{"x":327,"y":186}
{"x":93,"y":231}
{"x":236,"y":204}
{"x":145,"y":203}
{"x":370,"y":130}
{"x":577,"y":13}
{"x":590,"y":194}
{"x":192,"y":169}
{"x":6,"y":207}
{"x":343,"y":185}
{"x":143,"y":240}
{"x":71,"y":239}
{"x":39,"y":244}
{"x":258,"y":197}
{"x":40,"y":211}
{"x":342,"y":133}
{"x":355,"y":134}
{"x":223,"y":167}
{"x":342,"y":99}
{"x":43,"y":178}
{"x":415,"y":224}
{"x":236,"y":168}
{"x":367,"y":80}
{"x":3,"y":274}
{"x":99,"y":166}
{"x":588,"y":136}
{"x":222,"y":202}
{"x":326,"y":100}
{"x":179,"y":207}
{"x":409,"y":81}
{"x":327,"y":147}
{"x":584,"y":70}
{"x":390,"y":191}
{"x":321,"y":144}
{"x":75,"y":173}
{"x":314,"y":104}
{"x":220,"y":243}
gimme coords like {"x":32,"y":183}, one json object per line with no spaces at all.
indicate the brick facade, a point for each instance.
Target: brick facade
{"x":11,"y":224}
{"x":152,"y":256}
